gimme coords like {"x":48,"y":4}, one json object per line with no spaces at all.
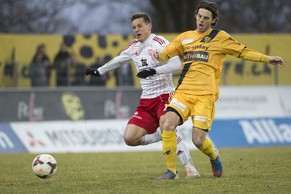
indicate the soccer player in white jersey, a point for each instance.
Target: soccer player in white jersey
{"x":142,"y":127}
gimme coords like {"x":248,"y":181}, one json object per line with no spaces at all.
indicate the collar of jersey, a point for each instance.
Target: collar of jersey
{"x":148,"y":39}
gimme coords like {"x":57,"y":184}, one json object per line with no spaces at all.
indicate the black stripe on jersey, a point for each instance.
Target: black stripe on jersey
{"x":183,"y":73}
{"x":210,"y":36}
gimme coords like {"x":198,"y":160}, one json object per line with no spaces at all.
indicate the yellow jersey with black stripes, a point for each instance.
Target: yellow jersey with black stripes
{"x":203,"y":56}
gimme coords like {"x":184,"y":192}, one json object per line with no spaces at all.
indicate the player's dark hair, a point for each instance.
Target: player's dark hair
{"x":138,"y":15}
{"x":210,"y":6}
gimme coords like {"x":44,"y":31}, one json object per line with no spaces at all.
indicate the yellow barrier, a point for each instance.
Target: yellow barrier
{"x":19,"y":49}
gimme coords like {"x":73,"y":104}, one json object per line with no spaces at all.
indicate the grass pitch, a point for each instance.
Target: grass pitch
{"x":247,"y":170}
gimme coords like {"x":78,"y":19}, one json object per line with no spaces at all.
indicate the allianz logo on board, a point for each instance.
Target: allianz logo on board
{"x":266,"y":131}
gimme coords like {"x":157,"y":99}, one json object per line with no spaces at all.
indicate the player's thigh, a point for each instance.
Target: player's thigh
{"x":133,"y":132}
{"x":170,"y":121}
{"x":204,"y":111}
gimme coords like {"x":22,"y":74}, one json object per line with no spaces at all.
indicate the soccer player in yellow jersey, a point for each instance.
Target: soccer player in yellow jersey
{"x":203,"y":52}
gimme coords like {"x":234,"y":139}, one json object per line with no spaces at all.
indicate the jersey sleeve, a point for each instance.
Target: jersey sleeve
{"x":172,"y":65}
{"x":121,"y":59}
{"x":253,"y":55}
{"x":175,"y":48}
{"x":229,"y":45}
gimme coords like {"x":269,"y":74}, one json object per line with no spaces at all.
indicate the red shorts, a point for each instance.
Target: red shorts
{"x":149,"y":111}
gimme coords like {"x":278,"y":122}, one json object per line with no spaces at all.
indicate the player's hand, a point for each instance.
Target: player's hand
{"x":145,"y":73}
{"x":91,"y":71}
{"x":278,"y":61}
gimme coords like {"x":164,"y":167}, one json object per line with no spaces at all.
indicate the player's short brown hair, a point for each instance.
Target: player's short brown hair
{"x":138,"y":15}
{"x":210,"y":6}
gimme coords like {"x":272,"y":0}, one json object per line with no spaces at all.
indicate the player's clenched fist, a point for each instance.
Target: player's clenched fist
{"x":278,"y":61}
{"x":146,"y":73}
{"x":92,"y":72}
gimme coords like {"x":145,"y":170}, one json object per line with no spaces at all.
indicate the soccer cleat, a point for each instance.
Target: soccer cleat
{"x":191,"y":173}
{"x":168,"y":175}
{"x":216,"y":165}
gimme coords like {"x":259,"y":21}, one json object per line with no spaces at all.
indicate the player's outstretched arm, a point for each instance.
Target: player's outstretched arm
{"x":171,"y":66}
{"x":253,"y":55}
{"x":277,"y":61}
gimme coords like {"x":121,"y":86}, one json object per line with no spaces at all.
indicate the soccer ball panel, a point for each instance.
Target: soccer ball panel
{"x":44,"y":166}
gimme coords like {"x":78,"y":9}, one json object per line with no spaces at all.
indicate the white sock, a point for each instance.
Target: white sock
{"x":183,"y":154}
{"x":152,"y":138}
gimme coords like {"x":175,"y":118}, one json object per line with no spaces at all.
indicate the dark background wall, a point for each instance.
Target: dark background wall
{"x":67,"y":104}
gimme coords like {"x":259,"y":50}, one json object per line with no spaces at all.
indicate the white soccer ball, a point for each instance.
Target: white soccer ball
{"x":44,"y":166}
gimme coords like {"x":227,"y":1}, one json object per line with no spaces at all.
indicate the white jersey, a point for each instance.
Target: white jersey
{"x":138,"y":52}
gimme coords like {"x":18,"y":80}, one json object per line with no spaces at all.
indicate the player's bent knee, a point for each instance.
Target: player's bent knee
{"x":198,"y":137}
{"x":197,"y":143}
{"x":169,"y":126}
{"x":129,"y":141}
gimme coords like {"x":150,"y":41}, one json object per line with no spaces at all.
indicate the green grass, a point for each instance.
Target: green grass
{"x":248,"y":170}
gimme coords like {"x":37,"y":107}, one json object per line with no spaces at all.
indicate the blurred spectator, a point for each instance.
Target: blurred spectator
{"x":37,"y":71}
{"x":79,"y":75}
{"x":98,"y":81}
{"x":62,"y":64}
{"x":41,"y":49}
{"x":123,"y":75}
